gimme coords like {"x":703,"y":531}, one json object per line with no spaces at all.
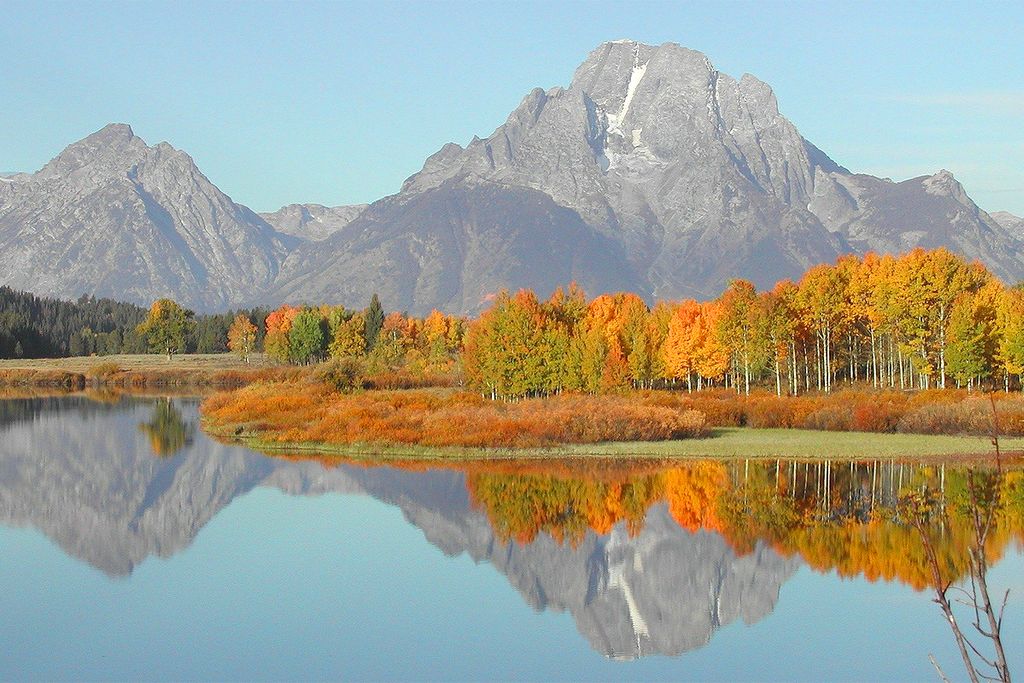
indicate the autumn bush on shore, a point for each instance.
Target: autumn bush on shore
{"x":310,"y":410}
{"x":301,"y":412}
{"x":935,"y":411}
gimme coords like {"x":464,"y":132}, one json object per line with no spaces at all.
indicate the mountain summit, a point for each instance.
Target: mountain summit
{"x":112,"y":216}
{"x":682,"y":176}
{"x":651,"y":172}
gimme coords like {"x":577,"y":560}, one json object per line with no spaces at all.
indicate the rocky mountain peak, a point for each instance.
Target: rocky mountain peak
{"x":313,"y":222}
{"x":112,"y":216}
{"x":651,"y":171}
{"x":944,"y":183}
{"x":111,"y":149}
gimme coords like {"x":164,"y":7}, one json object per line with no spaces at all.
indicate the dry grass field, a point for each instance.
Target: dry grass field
{"x":141,"y":362}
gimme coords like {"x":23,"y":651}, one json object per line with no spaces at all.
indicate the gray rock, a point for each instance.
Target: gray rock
{"x":112,"y":216}
{"x":452,"y":248}
{"x":1011,"y":223}
{"x":695,"y":175}
{"x":651,"y":172}
{"x":312,"y":222}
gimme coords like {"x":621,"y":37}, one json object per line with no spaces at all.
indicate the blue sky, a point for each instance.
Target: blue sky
{"x":340,"y":102}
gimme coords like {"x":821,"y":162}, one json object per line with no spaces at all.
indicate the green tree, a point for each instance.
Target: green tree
{"x":972,"y":343}
{"x":166,"y":327}
{"x":738,"y":326}
{"x":374,"y":321}
{"x":167,"y":431}
{"x":306,"y":337}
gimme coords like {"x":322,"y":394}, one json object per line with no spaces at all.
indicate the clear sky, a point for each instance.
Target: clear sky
{"x":338,"y":102}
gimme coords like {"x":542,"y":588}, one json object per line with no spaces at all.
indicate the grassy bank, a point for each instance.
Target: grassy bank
{"x":140,"y":370}
{"x":142,"y":362}
{"x":727,"y":443}
{"x":306,"y":416}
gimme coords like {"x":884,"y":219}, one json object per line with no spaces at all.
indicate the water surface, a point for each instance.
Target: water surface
{"x":134,"y":547}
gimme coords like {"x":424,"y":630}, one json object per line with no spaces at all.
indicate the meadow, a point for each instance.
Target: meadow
{"x":140,"y":370}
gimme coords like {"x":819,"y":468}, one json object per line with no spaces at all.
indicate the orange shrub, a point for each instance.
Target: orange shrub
{"x":300,"y":412}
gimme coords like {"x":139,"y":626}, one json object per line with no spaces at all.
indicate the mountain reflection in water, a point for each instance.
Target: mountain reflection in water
{"x":647,"y":557}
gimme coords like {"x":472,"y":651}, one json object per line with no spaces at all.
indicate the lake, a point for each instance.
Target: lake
{"x":132,"y":546}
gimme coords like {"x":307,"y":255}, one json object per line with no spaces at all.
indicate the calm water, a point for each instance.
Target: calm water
{"x":134,"y":547}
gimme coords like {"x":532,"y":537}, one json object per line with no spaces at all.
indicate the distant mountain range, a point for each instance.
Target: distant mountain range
{"x":652,"y":172}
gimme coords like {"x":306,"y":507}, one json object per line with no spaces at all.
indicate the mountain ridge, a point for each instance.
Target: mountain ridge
{"x":113,"y":216}
{"x":696,"y":175}
{"x":651,"y":171}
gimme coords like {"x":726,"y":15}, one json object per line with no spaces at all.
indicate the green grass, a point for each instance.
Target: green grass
{"x":725,"y":444}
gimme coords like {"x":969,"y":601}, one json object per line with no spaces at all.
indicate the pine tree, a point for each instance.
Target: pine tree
{"x":374,"y":322}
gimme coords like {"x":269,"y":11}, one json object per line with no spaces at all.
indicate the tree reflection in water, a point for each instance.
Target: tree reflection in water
{"x":837,"y":516}
{"x":167,"y":431}
{"x":984,"y":504}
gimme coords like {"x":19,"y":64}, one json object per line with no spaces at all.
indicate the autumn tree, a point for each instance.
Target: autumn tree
{"x":822,"y":300}
{"x":276,"y":343}
{"x":166,"y":327}
{"x":242,"y":337}
{"x":737,"y":327}
{"x":1010,"y":325}
{"x":775,"y":324}
{"x":348,"y":339}
{"x":928,"y":283}
{"x":679,"y":350}
{"x":395,"y":339}
{"x":712,"y":351}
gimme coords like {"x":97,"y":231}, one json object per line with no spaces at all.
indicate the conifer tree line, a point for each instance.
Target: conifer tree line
{"x":40,"y":327}
{"x":925,"y":319}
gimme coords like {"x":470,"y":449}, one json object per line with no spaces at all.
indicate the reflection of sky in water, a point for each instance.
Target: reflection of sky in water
{"x":329,"y":586}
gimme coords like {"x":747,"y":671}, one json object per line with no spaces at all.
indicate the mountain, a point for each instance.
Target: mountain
{"x":1014,"y":224}
{"x":82,"y":473}
{"x":312,"y":221}
{"x":651,"y":171}
{"x":453,"y":248}
{"x":683,"y":175}
{"x":112,"y":216}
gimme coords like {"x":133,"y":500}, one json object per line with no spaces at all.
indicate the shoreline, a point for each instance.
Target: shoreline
{"x":196,"y":375}
{"x":127,"y":371}
{"x":723,"y":444}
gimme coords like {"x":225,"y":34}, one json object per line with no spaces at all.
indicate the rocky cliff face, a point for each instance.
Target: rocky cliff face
{"x":694,"y":176}
{"x":83,"y":474}
{"x":112,"y":216}
{"x":453,"y":248}
{"x":1013,"y":224}
{"x":313,"y":222}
